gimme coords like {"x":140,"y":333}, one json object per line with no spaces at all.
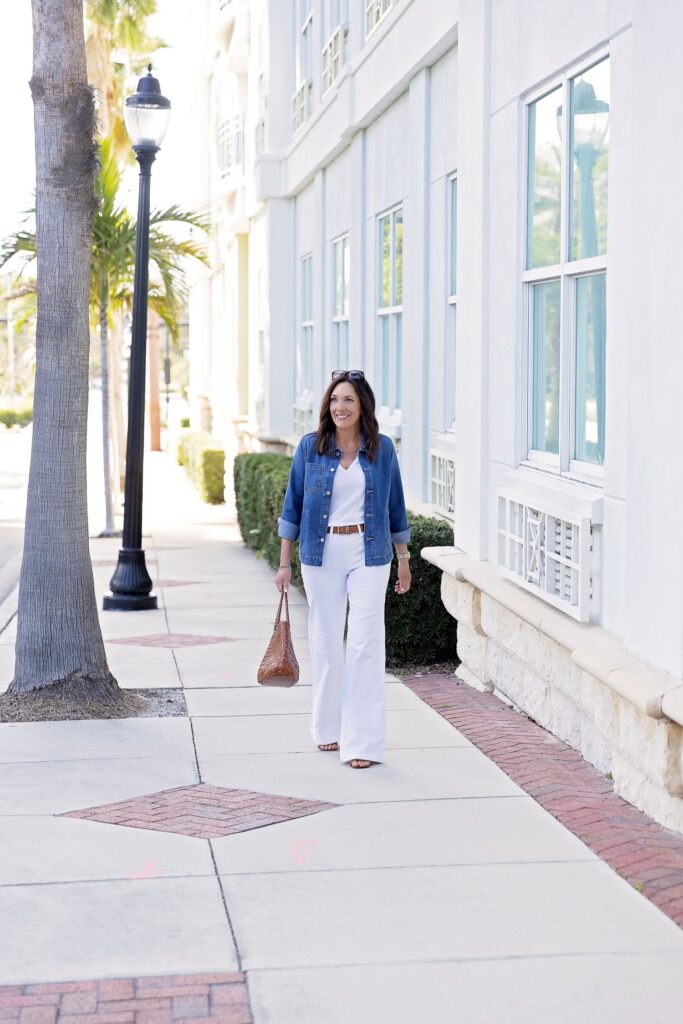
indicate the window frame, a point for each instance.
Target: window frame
{"x":393,"y":313}
{"x":567,"y":271}
{"x":340,"y":318}
{"x":450,"y":337}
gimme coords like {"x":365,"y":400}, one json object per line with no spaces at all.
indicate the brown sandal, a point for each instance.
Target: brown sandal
{"x":328,"y":746}
{"x":359,"y":762}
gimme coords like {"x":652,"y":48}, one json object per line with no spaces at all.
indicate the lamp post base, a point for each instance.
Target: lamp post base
{"x":131,"y":584}
{"x":129,"y":602}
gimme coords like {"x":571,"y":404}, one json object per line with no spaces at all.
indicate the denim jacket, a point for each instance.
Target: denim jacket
{"x":309,"y":494}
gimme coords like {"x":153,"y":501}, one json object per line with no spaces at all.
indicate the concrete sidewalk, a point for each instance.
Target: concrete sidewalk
{"x":430,"y":888}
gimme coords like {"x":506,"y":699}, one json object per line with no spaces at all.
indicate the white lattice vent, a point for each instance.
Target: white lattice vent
{"x":547,"y":552}
{"x":443,"y":483}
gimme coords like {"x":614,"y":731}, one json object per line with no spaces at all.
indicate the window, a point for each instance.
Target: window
{"x":390,"y":307}
{"x":565,"y":275}
{"x":304,"y":351}
{"x":341,"y":272}
{"x":449,"y":360}
{"x":375,"y":11}
{"x":302,"y":97}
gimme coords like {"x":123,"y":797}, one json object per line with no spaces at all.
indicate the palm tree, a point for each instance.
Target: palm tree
{"x":59,"y":647}
{"x":116,"y":43}
{"x":113,"y":266}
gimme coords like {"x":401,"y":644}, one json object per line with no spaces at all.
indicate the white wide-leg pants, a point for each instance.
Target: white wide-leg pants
{"x":348,"y":691}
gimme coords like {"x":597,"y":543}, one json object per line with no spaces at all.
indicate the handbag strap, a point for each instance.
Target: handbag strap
{"x":278,"y":614}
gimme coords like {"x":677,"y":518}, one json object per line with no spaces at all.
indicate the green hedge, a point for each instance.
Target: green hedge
{"x":204,"y":461}
{"x":419,"y":629}
{"x":16,"y":417}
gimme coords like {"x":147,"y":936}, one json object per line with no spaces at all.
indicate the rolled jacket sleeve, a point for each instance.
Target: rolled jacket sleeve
{"x":289,"y":523}
{"x":398,"y":518}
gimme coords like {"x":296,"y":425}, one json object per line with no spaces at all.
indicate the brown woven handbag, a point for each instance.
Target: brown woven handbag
{"x":279,"y":666}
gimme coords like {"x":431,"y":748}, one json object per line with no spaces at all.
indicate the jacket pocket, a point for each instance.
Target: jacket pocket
{"x":313,"y":477}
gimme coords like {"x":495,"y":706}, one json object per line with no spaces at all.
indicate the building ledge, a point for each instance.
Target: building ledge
{"x":593,"y":649}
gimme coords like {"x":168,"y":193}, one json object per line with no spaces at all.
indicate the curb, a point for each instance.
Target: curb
{"x":9,"y":575}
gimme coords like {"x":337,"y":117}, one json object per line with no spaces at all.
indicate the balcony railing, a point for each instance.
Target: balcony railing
{"x":231,"y":146}
{"x":333,"y":58}
{"x":301,"y":105}
{"x":375,"y":11}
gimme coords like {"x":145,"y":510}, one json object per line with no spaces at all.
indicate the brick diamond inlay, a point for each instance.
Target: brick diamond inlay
{"x":203,"y":811}
{"x":171,"y":640}
{"x":165,"y":999}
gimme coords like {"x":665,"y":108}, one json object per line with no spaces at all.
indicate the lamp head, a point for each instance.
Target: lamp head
{"x":147,"y":113}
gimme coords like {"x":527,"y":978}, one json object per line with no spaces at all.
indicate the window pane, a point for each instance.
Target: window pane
{"x":337,"y":279}
{"x":453,"y":228}
{"x":384,"y":350}
{"x":589,"y":433}
{"x":544,"y":182}
{"x":347,"y":278}
{"x":590,"y":151}
{"x":398,"y":319}
{"x":546,"y":367}
{"x":449,"y":369}
{"x":385,"y":262}
{"x":398,"y":258}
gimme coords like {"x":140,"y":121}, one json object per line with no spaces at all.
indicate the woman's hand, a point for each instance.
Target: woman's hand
{"x":283,"y":578}
{"x":404,"y":577}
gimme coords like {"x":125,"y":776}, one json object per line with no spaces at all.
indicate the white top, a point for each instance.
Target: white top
{"x":348,"y":496}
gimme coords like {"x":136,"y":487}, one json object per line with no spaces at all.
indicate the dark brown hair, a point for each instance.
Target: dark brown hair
{"x":368,"y":421}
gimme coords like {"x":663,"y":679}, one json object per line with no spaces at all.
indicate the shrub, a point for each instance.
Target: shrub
{"x":419,"y":630}
{"x":204,"y":460}
{"x":185,"y":423}
{"x":16,"y":417}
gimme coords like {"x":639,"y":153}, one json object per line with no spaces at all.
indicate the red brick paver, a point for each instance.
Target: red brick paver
{"x":172,"y":640}
{"x":176,"y":999}
{"x":647,"y":855}
{"x":203,"y":811}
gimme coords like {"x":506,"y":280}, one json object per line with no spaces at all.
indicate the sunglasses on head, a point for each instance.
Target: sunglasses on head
{"x":351,"y":374}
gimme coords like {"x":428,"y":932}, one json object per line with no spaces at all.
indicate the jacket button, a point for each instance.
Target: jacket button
{"x":331,"y":469}
{"x":322,"y":540}
{"x":324,"y":515}
{"x":328,"y":492}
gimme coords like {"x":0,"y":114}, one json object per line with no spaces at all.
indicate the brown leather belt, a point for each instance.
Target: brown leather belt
{"x":356,"y":528}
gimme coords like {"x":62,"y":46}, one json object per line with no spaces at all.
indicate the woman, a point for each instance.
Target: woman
{"x":344,"y":503}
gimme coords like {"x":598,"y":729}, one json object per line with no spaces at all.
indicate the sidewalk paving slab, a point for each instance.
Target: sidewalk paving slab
{"x":595,"y":989}
{"x":390,"y":915}
{"x":407,"y":833}
{"x":113,"y":929}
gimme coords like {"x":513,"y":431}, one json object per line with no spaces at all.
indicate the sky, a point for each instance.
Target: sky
{"x":17,"y":177}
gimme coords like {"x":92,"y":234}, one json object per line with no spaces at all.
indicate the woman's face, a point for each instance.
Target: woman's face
{"x":345,"y":406}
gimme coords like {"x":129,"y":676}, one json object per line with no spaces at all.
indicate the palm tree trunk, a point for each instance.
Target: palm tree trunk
{"x":109,"y":529}
{"x":59,"y":642}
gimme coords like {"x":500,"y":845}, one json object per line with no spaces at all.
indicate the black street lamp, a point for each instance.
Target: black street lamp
{"x":147,"y":114}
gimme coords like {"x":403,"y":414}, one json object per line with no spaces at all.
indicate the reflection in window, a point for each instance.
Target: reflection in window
{"x":546,"y":366}
{"x":589,"y":425}
{"x":544,"y":182}
{"x":590,"y":151}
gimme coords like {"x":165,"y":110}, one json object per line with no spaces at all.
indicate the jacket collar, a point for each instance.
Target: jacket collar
{"x":333,"y":448}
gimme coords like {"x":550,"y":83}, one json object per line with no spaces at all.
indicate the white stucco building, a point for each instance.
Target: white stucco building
{"x":477,"y":202}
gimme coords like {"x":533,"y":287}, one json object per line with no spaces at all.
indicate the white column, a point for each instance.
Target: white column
{"x":472,"y":406}
{"x":415,"y":375}
{"x":320,"y":306}
{"x":280,"y":352}
{"x":359,"y":256}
